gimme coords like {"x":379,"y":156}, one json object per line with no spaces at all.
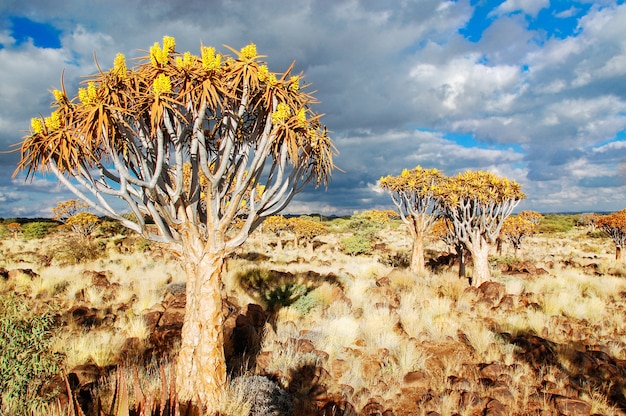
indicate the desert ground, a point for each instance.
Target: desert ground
{"x":91,"y":326}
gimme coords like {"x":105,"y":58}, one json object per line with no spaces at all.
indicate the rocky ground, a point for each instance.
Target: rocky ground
{"x":474,"y":358}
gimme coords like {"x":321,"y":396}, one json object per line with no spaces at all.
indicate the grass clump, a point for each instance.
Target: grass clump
{"x":26,"y":360}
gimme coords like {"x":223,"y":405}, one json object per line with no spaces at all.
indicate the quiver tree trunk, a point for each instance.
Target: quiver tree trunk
{"x":201,"y":365}
{"x":418,"y":264}
{"x":480,"y":259}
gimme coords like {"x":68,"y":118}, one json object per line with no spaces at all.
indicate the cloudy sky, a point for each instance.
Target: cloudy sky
{"x":534,"y":90}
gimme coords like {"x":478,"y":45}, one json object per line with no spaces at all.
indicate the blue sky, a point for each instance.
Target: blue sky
{"x":534,"y":90}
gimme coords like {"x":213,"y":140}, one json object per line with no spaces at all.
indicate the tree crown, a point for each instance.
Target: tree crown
{"x":184,"y":138}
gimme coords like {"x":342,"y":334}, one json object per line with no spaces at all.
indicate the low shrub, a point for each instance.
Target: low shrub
{"x":26,"y":360}
{"x":38,"y":229}
{"x":356,"y":244}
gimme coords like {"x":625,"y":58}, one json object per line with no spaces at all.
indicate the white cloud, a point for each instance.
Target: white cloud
{"x":530,"y":7}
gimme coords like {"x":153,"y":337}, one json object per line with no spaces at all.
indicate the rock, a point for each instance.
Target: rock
{"x":372,"y":408}
{"x":572,"y":407}
{"x":495,"y":408}
{"x":417,"y":379}
{"x":15,"y":273}
{"x":151,"y":319}
{"x":493,"y":371}
{"x":98,"y":279}
{"x":172,"y":318}
{"x":84,"y":316}
{"x":491,"y":292}
{"x":178,"y":300}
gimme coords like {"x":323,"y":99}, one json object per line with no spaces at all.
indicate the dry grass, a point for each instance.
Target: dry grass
{"x":431,"y":324}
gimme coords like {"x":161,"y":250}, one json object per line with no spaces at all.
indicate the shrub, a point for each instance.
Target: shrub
{"x":26,"y":361}
{"x":267,"y":397}
{"x":356,"y":244}
{"x":556,"y":223}
{"x":74,"y":251}
{"x":4,"y":232}
{"x":38,"y":229}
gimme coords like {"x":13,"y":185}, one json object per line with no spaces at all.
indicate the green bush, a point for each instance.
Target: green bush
{"x":4,"y":232}
{"x":38,"y":229}
{"x":356,"y":244}
{"x":556,"y":223}
{"x":26,"y":362}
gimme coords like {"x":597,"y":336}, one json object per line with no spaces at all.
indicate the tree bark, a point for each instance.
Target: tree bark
{"x":619,"y":254}
{"x":201,"y":365}
{"x":418,"y":265}
{"x":480,"y":257}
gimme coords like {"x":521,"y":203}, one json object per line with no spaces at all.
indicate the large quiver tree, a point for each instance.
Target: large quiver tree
{"x":615,"y":225}
{"x":192,"y":142}
{"x":412,"y":192}
{"x":476,"y":204}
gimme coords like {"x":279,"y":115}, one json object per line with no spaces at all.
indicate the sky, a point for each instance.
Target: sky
{"x":533,"y":90}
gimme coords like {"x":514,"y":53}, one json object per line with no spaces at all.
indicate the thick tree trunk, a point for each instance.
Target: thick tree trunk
{"x":418,"y":265}
{"x":480,"y":257}
{"x":201,"y":366}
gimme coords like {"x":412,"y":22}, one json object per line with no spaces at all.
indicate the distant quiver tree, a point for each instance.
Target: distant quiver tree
{"x":413,"y":194}
{"x":193,"y":143}
{"x":476,"y":204}
{"x":615,"y":226}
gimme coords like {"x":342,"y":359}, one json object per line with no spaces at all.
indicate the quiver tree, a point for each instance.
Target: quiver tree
{"x":277,"y":225}
{"x":476,"y":204}
{"x":191,"y":142}
{"x":83,"y":224}
{"x":517,"y":228}
{"x":615,"y":226}
{"x":305,"y":229}
{"x":66,"y":209}
{"x":412,"y":192}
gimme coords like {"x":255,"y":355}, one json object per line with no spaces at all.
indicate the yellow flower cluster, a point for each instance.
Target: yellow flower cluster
{"x":248,"y":52}
{"x":264,"y":73}
{"x":119,"y":66}
{"x":58,"y":95}
{"x":210,"y":61}
{"x":301,"y":117}
{"x":161,"y":85}
{"x":88,"y":95}
{"x":160,"y":56}
{"x":186,"y":62}
{"x":266,"y":76}
{"x":54,"y":121}
{"x":36,"y":125}
{"x":169,"y":44}
{"x":294,"y":83}
{"x":282,"y":113}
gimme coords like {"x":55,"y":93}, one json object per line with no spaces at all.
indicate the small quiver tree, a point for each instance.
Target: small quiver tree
{"x":14,"y":228}
{"x":83,"y":224}
{"x":517,"y":228}
{"x":305,"y":229}
{"x":241,"y":130}
{"x":615,"y":226}
{"x":476,"y":204}
{"x":277,"y":225}
{"x":412,"y":192}
{"x":66,"y":209}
